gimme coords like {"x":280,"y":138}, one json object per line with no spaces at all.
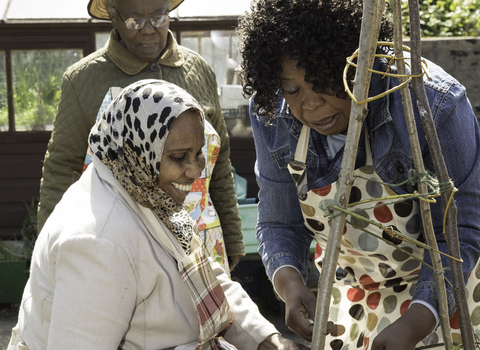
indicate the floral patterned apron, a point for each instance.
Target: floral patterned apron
{"x":198,"y":202}
{"x":377,"y":279}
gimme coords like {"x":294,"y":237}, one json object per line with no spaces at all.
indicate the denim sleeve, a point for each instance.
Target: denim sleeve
{"x":459,"y":136}
{"x":282,"y":236}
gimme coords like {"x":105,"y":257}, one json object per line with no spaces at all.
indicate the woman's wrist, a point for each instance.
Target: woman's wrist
{"x":270,"y":342}
{"x":419,"y":320}
{"x":286,"y":278}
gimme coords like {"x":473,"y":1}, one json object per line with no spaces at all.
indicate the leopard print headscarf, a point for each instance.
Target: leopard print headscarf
{"x":129,"y":139}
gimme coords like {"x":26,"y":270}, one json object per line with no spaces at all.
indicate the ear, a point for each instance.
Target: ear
{"x":113,"y":21}
{"x":112,"y":15}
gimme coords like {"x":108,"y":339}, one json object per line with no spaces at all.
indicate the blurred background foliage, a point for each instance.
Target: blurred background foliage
{"x":445,"y":18}
{"x":37,"y":76}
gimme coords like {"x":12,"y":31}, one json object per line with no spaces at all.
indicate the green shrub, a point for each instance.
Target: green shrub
{"x":3,"y":119}
{"x":445,"y":18}
{"x":37,"y":77}
{"x":22,"y":247}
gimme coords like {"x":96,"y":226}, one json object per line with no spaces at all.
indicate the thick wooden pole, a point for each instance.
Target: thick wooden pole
{"x":372,"y":14}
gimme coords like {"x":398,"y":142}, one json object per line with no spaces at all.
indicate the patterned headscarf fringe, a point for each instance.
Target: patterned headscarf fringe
{"x":129,"y":170}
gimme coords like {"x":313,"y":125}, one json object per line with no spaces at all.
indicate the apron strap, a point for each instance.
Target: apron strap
{"x":297,"y":166}
{"x":368,"y":150}
{"x":302,"y":146}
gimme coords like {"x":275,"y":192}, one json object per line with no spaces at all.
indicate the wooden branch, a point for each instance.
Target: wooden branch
{"x":442,"y":175}
{"x":372,"y":14}
{"x":422,"y":188}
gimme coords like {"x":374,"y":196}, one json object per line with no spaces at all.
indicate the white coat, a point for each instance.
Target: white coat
{"x":100,"y":280}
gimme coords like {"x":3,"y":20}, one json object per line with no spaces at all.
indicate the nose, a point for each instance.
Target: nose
{"x":195,"y":168}
{"x":148,"y":28}
{"x":312,"y":100}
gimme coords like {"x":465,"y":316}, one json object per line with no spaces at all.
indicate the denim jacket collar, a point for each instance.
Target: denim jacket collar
{"x":378,"y":110}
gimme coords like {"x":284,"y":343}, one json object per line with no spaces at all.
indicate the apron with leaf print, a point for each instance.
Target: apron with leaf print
{"x":198,"y":202}
{"x":378,"y":272}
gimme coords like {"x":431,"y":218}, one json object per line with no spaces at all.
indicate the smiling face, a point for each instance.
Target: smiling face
{"x":325,"y":113}
{"x":148,"y":43}
{"x":182,"y":160}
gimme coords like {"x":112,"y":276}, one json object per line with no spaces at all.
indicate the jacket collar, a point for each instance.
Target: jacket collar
{"x":131,"y":65}
{"x":379,"y":109}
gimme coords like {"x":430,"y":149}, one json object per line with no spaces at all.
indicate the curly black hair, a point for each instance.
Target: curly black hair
{"x":319,"y":34}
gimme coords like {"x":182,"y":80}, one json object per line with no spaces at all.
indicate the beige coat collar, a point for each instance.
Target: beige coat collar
{"x":131,"y":65}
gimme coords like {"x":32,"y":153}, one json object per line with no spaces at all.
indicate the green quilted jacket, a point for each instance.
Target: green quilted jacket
{"x":84,"y":86}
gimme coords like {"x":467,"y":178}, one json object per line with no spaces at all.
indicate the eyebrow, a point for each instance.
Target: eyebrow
{"x":163,"y":10}
{"x":178,"y":150}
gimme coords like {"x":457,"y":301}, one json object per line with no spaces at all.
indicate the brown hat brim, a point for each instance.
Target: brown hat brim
{"x":96,"y":8}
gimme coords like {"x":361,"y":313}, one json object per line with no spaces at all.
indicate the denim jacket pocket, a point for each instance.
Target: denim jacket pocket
{"x":282,"y":156}
{"x":397,"y":171}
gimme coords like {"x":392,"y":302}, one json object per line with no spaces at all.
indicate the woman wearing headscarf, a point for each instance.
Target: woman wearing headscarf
{"x":119,"y":264}
{"x":140,"y":46}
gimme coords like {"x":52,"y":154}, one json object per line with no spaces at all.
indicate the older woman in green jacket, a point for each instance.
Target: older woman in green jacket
{"x":140,"y":47}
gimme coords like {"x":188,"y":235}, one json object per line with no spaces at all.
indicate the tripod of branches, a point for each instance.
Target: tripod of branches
{"x":373,"y":10}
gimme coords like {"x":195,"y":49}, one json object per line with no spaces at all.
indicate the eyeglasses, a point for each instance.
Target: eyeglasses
{"x":139,"y":23}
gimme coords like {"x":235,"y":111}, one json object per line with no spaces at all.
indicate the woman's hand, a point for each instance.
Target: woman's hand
{"x":277,"y":342}
{"x":405,"y":333}
{"x":233,"y":260}
{"x":300,"y":303}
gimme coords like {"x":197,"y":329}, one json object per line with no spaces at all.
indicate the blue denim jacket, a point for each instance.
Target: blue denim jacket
{"x":283,"y":238}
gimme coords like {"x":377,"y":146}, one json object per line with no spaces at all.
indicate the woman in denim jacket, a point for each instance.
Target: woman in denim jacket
{"x":293,"y":58}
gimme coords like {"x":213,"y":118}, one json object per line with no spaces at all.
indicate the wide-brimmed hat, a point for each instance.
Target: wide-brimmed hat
{"x":96,"y":8}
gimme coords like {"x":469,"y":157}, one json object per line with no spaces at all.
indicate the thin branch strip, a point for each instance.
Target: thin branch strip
{"x":442,"y":175}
